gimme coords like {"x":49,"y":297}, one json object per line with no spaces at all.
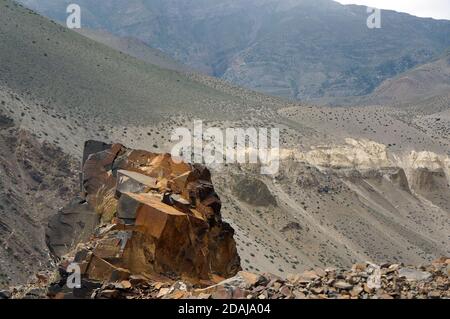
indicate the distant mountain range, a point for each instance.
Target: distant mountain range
{"x":302,"y":49}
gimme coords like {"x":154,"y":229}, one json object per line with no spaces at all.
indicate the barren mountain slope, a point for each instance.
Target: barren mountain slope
{"x":337,"y":199}
{"x":135,"y":48}
{"x":301,"y":49}
{"x":428,"y":80}
{"x":59,"y":89}
{"x":79,"y":75}
{"x":381,"y":196}
{"x":36,"y":179}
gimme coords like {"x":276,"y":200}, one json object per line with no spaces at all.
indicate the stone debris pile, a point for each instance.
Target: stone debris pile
{"x":362,"y":281}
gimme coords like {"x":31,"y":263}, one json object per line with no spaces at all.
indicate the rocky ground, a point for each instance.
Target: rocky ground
{"x":362,"y":281}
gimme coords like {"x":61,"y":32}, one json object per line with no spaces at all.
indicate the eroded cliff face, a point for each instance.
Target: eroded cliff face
{"x":156,"y":216}
{"x":424,"y":174}
{"x":359,"y":154}
{"x":422,"y":170}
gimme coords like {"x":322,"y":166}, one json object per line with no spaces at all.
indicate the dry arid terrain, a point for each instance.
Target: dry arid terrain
{"x":356,"y":184}
{"x":311,"y":50}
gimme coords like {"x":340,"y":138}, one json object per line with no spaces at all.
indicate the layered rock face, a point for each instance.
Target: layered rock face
{"x":157,"y":217}
{"x":418,"y":171}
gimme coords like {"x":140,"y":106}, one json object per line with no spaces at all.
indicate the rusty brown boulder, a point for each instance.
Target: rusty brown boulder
{"x":159,"y":216}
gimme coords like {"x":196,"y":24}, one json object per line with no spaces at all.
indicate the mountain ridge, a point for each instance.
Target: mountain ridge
{"x":279,"y":48}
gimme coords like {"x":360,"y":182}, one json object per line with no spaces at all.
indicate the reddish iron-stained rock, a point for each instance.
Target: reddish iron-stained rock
{"x":165,"y":215}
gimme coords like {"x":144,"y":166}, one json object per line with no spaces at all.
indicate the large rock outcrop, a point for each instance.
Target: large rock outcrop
{"x":157,"y":216}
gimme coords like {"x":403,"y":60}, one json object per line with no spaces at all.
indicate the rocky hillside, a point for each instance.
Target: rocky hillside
{"x":36,"y":179}
{"x":158,"y":233}
{"x":354,"y":183}
{"x":302,"y":49}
